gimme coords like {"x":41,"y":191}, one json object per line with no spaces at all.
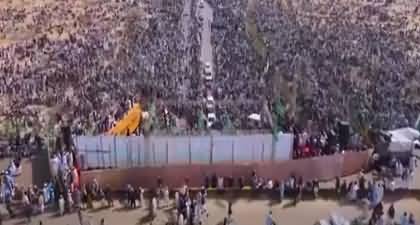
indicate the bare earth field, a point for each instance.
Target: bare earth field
{"x":246,"y":212}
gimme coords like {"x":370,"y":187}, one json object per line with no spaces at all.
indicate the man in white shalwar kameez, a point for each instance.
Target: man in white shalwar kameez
{"x":141,"y":197}
{"x":41,"y":204}
{"x":352,"y":195}
{"x":166,"y":196}
{"x":269,"y":219}
{"x":281,"y":190}
{"x":181,"y":219}
{"x":177,"y":200}
{"x":153,"y":207}
{"x":54,"y":162}
{"x":197,"y":212}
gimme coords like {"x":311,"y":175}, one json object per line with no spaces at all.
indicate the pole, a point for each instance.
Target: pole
{"x":211,"y":148}
{"x":189,"y":150}
{"x":115,"y":152}
{"x":233,"y":151}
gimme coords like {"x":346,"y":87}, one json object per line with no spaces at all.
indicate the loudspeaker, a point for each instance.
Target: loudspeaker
{"x":343,"y":134}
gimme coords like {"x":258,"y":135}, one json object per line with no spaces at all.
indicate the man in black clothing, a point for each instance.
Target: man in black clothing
{"x":241,"y":183}
{"x":230,"y":182}
{"x":108,"y":197}
{"x":131,"y":198}
{"x":362,"y":187}
{"x":230,"y":209}
{"x":214,"y":181}
{"x":391,"y":212}
{"x":337,"y":186}
{"x":207,"y":182}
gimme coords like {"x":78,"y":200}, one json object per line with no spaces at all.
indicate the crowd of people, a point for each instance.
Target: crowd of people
{"x":107,"y":55}
{"x":189,"y":204}
{"x":371,"y":194}
{"x":239,"y":78}
{"x":110,"y":54}
{"x":352,"y":60}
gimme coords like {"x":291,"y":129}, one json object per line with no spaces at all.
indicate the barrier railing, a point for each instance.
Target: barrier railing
{"x":140,"y":151}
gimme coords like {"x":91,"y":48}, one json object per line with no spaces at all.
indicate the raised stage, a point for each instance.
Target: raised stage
{"x":321,"y":168}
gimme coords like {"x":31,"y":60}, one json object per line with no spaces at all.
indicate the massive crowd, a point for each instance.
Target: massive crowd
{"x":239,"y":72}
{"x":354,"y":61}
{"x":111,"y":54}
{"x":349,"y":60}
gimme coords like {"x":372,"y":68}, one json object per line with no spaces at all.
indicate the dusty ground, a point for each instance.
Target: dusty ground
{"x":246,"y":212}
{"x":26,"y":178}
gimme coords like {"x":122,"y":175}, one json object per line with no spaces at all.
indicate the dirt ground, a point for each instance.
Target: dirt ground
{"x":246,"y":212}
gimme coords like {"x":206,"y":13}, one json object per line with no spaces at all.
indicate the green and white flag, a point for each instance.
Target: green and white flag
{"x":417,"y":124}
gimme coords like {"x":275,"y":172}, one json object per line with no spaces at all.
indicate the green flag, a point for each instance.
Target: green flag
{"x":278,"y":116}
{"x":417,"y":124}
{"x":201,"y":120}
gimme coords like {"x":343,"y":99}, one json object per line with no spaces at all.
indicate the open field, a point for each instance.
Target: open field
{"x":245,"y":211}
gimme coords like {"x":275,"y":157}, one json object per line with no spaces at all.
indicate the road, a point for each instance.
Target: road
{"x":206,"y":13}
{"x":186,"y":21}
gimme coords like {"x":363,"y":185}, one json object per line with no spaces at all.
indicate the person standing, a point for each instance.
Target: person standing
{"x":153,"y":207}
{"x":362,"y":186}
{"x":181,"y":219}
{"x":391,"y":212}
{"x":8,"y":201}
{"x":281,"y":190}
{"x":343,"y":188}
{"x":404,"y":219}
{"x":411,"y":220}
{"x":141,"y":196}
{"x":27,"y":206}
{"x":61,"y":204}
{"x":269,"y":219}
{"x":177,"y":203}
{"x":77,"y":196}
{"x":41,"y":203}
{"x":166,"y":196}
{"x":132,"y":198}
{"x":337,"y":186}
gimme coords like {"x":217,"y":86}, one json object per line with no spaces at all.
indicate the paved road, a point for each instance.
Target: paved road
{"x":186,"y":20}
{"x":206,"y":48}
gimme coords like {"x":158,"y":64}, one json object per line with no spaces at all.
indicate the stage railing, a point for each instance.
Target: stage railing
{"x":139,"y":151}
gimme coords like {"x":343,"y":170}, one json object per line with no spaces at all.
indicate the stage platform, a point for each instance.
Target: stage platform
{"x":321,"y":168}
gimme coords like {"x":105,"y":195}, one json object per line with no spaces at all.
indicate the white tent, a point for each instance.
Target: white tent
{"x":407,"y":132}
{"x":402,"y":140}
{"x":255,"y":116}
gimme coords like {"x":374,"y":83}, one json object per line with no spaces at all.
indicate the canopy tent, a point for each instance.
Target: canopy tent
{"x":402,"y":140}
{"x":255,"y":116}
{"x":407,"y":132}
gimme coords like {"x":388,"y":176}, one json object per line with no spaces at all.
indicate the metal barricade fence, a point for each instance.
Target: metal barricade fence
{"x":140,"y":151}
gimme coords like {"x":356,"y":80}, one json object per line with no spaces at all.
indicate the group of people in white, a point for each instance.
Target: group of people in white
{"x":371,"y":195}
{"x":188,"y":208}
